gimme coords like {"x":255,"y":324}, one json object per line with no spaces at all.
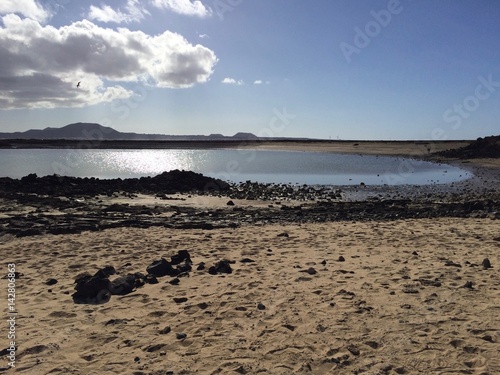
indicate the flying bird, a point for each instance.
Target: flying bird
{"x":78,"y":84}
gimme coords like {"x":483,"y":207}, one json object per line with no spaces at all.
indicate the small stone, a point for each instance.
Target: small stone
{"x":175,"y":281}
{"x":180,"y":299}
{"x":165,"y":330}
{"x":137,"y":359}
{"x":230,"y":203}
{"x":222,"y":266}
{"x":415,"y":253}
{"x":180,"y":336}
{"x":150,"y":279}
{"x":486,"y":263}
{"x":354,"y":351}
{"x":468,"y":285}
{"x":341,"y":259}
{"x":261,"y":306}
{"x":51,"y":282}
{"x":323,"y":262}
{"x":201,"y":266}
{"x":310,"y":271}
{"x":284,"y":234}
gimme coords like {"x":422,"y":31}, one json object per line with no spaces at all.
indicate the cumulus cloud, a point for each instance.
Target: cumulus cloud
{"x":27,"y":8}
{"x":40,"y":65}
{"x":132,"y":12}
{"x":232,"y":81}
{"x":186,"y":7}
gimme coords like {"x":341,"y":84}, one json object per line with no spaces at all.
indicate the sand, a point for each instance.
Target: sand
{"x":393,"y":306}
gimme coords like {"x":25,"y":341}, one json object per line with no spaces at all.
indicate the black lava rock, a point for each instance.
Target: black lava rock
{"x":161,"y":268}
{"x":486,"y":263}
{"x":123,"y":285}
{"x":181,"y":256}
{"x":51,"y":282}
{"x":222,"y":266}
{"x":92,"y":290}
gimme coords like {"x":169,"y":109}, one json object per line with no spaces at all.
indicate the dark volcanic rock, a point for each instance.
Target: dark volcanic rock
{"x":105,"y":272}
{"x":181,"y":256}
{"x":166,"y":183}
{"x":150,"y":279}
{"x":123,"y":285}
{"x":161,"y":268}
{"x":310,"y":271}
{"x":486,"y":263}
{"x":51,"y":282}
{"x":222,"y":266}
{"x":92,"y":289}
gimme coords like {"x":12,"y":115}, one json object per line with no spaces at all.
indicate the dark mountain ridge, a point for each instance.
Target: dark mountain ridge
{"x":93,"y":131}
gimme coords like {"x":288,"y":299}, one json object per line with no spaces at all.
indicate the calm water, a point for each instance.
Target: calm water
{"x":233,"y":165}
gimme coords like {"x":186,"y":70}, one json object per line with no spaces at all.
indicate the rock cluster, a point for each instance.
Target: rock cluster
{"x":166,"y":183}
{"x":98,"y":288}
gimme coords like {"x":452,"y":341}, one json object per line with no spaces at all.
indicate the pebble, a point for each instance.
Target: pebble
{"x":165,"y":330}
{"x":180,"y":336}
{"x":261,"y":306}
{"x":486,"y":263}
{"x":310,"y":271}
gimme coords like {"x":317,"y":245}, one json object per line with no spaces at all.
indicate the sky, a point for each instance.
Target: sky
{"x":327,"y":69}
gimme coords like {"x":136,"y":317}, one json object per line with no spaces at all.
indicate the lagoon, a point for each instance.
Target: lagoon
{"x":235,"y":165}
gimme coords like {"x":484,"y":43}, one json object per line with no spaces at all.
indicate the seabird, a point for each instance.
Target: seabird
{"x":78,"y":84}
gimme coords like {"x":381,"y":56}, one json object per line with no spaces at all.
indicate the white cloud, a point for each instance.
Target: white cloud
{"x":40,"y":65}
{"x":232,"y":81}
{"x":133,"y":12}
{"x":258,"y":82}
{"x":28,"y":8}
{"x":186,"y":7}
{"x":203,"y":36}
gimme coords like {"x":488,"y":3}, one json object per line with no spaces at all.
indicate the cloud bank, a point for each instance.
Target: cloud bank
{"x":28,"y":8}
{"x":186,"y":7}
{"x":40,"y":65}
{"x":133,"y":12}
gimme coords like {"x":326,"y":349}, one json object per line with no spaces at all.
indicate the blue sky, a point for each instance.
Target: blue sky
{"x":342,"y":69}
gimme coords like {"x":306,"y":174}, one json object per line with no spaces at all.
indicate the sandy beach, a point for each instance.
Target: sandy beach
{"x":376,"y":297}
{"x":378,"y":287}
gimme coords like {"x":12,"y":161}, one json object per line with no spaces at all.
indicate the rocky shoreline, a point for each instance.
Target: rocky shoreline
{"x":36,"y":205}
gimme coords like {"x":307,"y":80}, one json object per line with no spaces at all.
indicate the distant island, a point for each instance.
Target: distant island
{"x":93,"y":131}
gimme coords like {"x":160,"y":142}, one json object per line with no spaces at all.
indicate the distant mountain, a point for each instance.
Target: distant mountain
{"x":92,"y":131}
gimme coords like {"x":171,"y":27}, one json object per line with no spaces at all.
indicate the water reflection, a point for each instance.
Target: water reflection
{"x":232,"y":165}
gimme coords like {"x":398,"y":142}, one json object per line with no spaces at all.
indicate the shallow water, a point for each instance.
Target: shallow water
{"x":231,"y":165}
